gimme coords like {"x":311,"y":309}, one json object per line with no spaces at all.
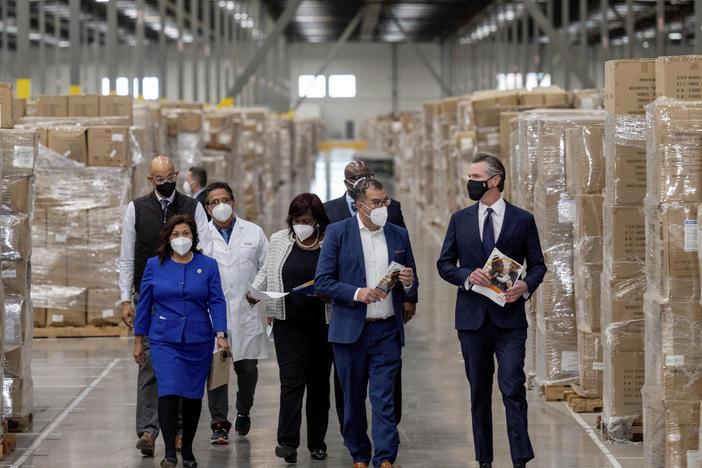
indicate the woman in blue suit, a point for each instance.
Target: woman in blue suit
{"x":180,"y":300}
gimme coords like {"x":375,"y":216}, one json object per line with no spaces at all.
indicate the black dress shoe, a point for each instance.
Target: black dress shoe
{"x":289,"y":454}
{"x":169,"y":462}
{"x":486,"y":465}
{"x":189,"y":463}
{"x":319,"y":454}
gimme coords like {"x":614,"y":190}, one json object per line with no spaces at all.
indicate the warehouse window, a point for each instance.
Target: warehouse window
{"x":342,"y":86}
{"x":105,"y":86}
{"x":312,"y":86}
{"x":122,"y":86}
{"x":150,"y":87}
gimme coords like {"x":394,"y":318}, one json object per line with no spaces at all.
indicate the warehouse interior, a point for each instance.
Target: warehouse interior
{"x":593,"y":106}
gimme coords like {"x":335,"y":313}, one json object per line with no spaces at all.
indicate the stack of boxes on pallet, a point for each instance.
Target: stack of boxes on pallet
{"x":630,"y":85}
{"x":585,"y":177}
{"x":18,"y":148}
{"x":673,"y":315}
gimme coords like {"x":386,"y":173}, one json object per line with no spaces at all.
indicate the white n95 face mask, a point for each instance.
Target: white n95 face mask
{"x":186,"y":188}
{"x":303,"y":231}
{"x":181,"y":245}
{"x":222,"y":212}
{"x":379,"y":216}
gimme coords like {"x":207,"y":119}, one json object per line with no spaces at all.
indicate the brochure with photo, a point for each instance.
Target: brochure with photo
{"x":389,"y":278}
{"x":504,"y":273}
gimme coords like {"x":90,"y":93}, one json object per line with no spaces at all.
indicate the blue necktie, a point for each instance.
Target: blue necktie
{"x":165,"y":203}
{"x":488,"y":233}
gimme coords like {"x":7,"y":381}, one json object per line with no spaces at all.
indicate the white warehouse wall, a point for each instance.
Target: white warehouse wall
{"x":372,"y":65}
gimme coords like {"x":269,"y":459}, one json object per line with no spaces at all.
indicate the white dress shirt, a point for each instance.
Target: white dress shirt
{"x":375,"y":259}
{"x":498,"y":217}
{"x":126,"y":258}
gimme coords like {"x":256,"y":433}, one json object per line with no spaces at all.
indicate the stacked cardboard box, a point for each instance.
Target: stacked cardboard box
{"x":554,"y":209}
{"x":673,"y":315}
{"x":18,"y":148}
{"x":585,"y":181}
{"x":629,"y":86}
{"x":186,"y":134}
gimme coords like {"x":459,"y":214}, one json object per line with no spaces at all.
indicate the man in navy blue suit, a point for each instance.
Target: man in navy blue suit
{"x":337,"y":210}
{"x":486,"y":329}
{"x":366,"y":329}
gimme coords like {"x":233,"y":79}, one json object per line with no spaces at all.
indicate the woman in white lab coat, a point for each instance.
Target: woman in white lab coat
{"x":239,"y":247}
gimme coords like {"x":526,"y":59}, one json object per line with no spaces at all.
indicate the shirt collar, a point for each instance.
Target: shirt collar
{"x":170,"y":199}
{"x":349,"y":198}
{"x":228,"y":228}
{"x":498,"y":207}
{"x":195,"y":195}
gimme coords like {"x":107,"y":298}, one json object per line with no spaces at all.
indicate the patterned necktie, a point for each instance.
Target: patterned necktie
{"x":488,"y":233}
{"x":164,"y":204}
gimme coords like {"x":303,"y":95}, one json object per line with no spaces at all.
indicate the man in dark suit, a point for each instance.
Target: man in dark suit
{"x":345,"y":206}
{"x":366,"y":329}
{"x":485,"y":328}
{"x":338,"y":210}
{"x":196,"y":186}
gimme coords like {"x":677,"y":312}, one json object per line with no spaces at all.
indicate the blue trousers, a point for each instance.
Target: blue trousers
{"x":479,"y":348}
{"x":370,"y":366}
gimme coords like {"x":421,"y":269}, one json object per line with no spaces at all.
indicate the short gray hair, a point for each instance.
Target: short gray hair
{"x":494,"y":167}
{"x":359,"y":191}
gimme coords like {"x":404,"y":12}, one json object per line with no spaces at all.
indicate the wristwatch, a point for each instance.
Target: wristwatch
{"x":221,"y":335}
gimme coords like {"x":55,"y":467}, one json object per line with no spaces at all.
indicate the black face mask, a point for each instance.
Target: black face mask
{"x":477,"y":188}
{"x":166,"y":189}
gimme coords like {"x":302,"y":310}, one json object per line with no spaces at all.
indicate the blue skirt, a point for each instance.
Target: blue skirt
{"x":181,"y":368}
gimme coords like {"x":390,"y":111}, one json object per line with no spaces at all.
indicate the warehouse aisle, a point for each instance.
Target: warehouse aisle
{"x":85,"y":396}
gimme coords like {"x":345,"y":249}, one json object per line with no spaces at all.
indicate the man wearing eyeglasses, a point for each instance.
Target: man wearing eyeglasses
{"x":239,"y":247}
{"x":140,"y":231}
{"x":366,"y":327}
{"x":338,"y":210}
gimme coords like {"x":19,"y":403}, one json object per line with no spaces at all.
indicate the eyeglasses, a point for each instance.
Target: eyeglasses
{"x":218,"y":201}
{"x":354,"y":179}
{"x":379,"y":203}
{"x":170,"y":178}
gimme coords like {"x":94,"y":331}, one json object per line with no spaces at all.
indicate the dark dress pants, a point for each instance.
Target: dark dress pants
{"x":304,"y":361}
{"x":478,"y":348}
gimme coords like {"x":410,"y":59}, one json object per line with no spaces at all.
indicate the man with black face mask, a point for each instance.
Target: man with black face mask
{"x":140,"y":230}
{"x":485,"y":329}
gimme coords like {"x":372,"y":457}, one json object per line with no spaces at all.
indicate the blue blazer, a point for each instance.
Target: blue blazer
{"x":341,"y":270}
{"x":186,"y":300}
{"x":519,"y":240}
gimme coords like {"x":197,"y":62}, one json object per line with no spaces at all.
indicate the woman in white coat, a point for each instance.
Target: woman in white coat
{"x":239,"y":247}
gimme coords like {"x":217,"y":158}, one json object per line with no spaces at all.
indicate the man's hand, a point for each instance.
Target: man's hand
{"x":128,"y":314}
{"x":409,"y":309}
{"x":369,"y":296}
{"x":251,"y":300}
{"x":516,"y":291}
{"x":479,"y":277}
{"x":138,"y":351}
{"x":223,"y":344}
{"x":407,"y":276}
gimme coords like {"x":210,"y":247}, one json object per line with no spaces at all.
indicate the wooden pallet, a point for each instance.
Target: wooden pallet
{"x":555,"y":392}
{"x":81,"y":332}
{"x":580,"y":404}
{"x":18,"y":424}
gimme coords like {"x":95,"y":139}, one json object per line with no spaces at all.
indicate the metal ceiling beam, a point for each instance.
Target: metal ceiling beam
{"x":332,"y":54}
{"x":370,"y":20}
{"x":446,"y":89}
{"x":539,"y":18}
{"x":260,"y":55}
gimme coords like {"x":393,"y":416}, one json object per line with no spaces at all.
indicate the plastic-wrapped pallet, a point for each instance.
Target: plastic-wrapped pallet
{"x":554,"y":211}
{"x":186,"y":135}
{"x":78,"y":234}
{"x":629,"y":86}
{"x":673,"y":314}
{"x":585,"y":182}
{"x":18,"y":148}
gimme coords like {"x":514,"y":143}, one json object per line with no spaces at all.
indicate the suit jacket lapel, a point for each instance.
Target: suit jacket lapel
{"x":355,"y":234}
{"x":507,"y":227}
{"x":390,"y":242}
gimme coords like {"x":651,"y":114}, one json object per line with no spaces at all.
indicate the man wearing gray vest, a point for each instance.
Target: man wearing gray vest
{"x":140,"y":231}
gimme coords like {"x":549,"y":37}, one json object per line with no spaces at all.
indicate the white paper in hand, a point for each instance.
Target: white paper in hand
{"x":261,"y":295}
